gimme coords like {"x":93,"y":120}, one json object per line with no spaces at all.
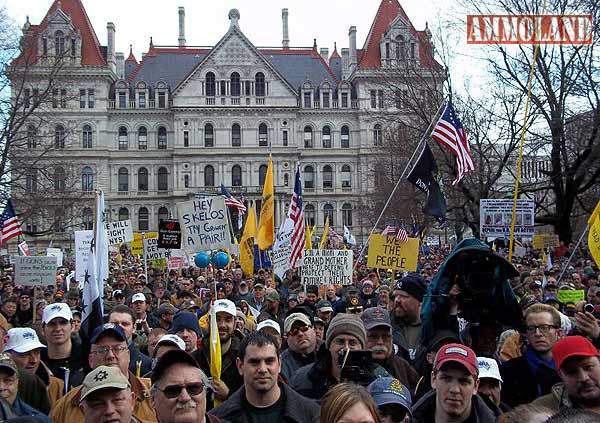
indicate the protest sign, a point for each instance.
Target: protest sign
{"x":137,"y":246}
{"x":119,"y":232}
{"x":35,"y":270}
{"x":284,"y":235}
{"x":24,"y":249}
{"x":55,"y":252}
{"x":204,"y":224}
{"x":495,"y":218}
{"x":83,"y":241}
{"x":324,"y":267}
{"x":389,"y":252}
{"x":152,"y":252}
{"x":280,"y":259}
{"x":177,"y":260}
{"x":570,"y":296}
{"x":169,"y":234}
{"x":545,"y":241}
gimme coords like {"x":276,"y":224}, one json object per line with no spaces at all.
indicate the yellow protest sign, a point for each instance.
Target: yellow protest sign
{"x":594,"y":239}
{"x":388,"y":252}
{"x":570,"y":296}
{"x":541,"y":241}
{"x":137,"y":246}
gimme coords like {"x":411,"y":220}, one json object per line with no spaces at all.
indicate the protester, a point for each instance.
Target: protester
{"x":123,"y":316}
{"x":348,"y":403}
{"x":393,"y":400}
{"x":301,"y":341}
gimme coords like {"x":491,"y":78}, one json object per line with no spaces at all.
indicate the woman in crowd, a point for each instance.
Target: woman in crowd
{"x":348,"y":403}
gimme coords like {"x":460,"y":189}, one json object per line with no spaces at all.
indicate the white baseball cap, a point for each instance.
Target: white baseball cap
{"x":225,"y":305}
{"x":138,"y":297}
{"x":52,"y":311}
{"x":269,"y":324}
{"x":488,"y":368}
{"x":22,"y":340}
{"x":172,"y":340}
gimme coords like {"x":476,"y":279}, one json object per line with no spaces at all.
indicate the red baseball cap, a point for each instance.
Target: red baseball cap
{"x":573,"y":346}
{"x":457,"y":353}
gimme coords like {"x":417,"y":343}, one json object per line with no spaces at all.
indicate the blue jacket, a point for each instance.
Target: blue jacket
{"x":21,"y":408}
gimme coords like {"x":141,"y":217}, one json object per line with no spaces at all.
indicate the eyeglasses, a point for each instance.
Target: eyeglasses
{"x":173,"y":391}
{"x":296,"y":330}
{"x":544,"y":329}
{"x":116,"y":349}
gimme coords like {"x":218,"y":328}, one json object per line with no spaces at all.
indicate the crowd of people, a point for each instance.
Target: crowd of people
{"x":451,"y":342}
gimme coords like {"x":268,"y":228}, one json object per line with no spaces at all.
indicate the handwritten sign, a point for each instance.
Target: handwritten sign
{"x":280,"y":259}
{"x":35,"y":270}
{"x":55,"y":252}
{"x":204,"y":224}
{"x":545,"y":241}
{"x":152,"y":250}
{"x":137,"y":246}
{"x":119,"y":232}
{"x":324,"y":267}
{"x":570,"y":296}
{"x":388,"y":252}
{"x":83,"y":241}
{"x":169,"y":233}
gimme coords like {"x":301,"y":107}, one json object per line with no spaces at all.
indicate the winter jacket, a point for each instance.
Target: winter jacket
{"x":424,"y":410}
{"x":20,"y":408}
{"x":556,"y":399}
{"x":32,"y":390}
{"x":292,"y":361}
{"x":74,"y":363}
{"x":55,"y":386}
{"x":298,"y":409}
{"x":401,"y":370}
{"x":521,"y":386}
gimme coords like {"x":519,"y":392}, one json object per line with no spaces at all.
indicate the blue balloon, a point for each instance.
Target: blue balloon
{"x":202,"y":259}
{"x":220,"y":260}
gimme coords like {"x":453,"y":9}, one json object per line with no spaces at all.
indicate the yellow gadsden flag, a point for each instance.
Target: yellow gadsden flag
{"x":247,"y":243}
{"x":309,"y":235}
{"x":266,"y":225}
{"x":323,"y":241}
{"x":594,"y":234}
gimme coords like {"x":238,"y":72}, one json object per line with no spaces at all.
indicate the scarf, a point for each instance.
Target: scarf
{"x":535,"y":362}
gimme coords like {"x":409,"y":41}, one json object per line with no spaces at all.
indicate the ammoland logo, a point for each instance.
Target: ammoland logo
{"x":529,"y":29}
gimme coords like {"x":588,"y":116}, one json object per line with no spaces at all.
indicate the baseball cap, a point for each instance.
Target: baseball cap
{"x":106,"y":329}
{"x":324,"y":306}
{"x":259,"y":286}
{"x":573,"y":346}
{"x":269,"y":324}
{"x":118,"y":293}
{"x":272,"y":295}
{"x":171,"y":339}
{"x":103,"y":377}
{"x":7,"y":363}
{"x":168,"y":359}
{"x":457,"y":353}
{"x":225,"y":305}
{"x":376,"y":316}
{"x":389,"y":390}
{"x":22,"y":340}
{"x":166,"y":308}
{"x":55,"y":310}
{"x":295,"y":317}
{"x":138,"y":297}
{"x":488,"y":368}
{"x":187,"y":304}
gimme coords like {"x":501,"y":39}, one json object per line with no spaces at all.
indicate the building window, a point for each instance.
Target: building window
{"x":308,"y":137}
{"x":284,"y":136}
{"x":162,"y":138}
{"x":63,"y":98}
{"x":236,"y":135}
{"x":73,"y":46}
{"x":143,"y":179}
{"x":59,"y":136}
{"x":262,"y":173}
{"x":259,"y":84}
{"x":162,"y":99}
{"x":82,"y":98}
{"x":31,"y":181}
{"x":325,"y":104}
{"x":123,"y":138}
{"x":346,"y":177}
{"x":373,"y":99}
{"x":310,"y":215}
{"x":142,"y":138}
{"x":309,"y":177}
{"x":87,"y":179}
{"x":236,"y":176}
{"x":263,"y":137}
{"x":123,"y":213}
{"x":186,"y":181}
{"x":162,"y":179}
{"x":163,"y":214}
{"x":344,"y":100}
{"x":209,"y":176}
{"x":210,"y":84}
{"x":223,"y":88}
{"x":377,"y":135}
{"x":412,"y":50}
{"x":44,"y":46}
{"x":327,"y":177}
{"x":36,"y":96}
{"x":55,"y":98}
{"x":387,"y":50}
{"x":328,"y":213}
{"x":59,"y":43}
{"x":286,"y":180}
{"x":59,"y":220}
{"x":247,"y":86}
{"x":143,"y":219}
{"x":142,"y":100}
{"x":326,"y":133}
{"x":347,"y":214}
{"x":59,"y":179}
{"x":87,"y":219}
{"x":186,"y":138}
{"x":209,"y":135}
{"x":380,"y":98}
{"x":345,"y":137}
{"x":31,"y":137}
{"x":86,"y":136}
{"x":307,"y":100}
{"x":400,"y":53}
{"x":91,"y":98}
{"x":379,"y":178}
{"x":123,"y":180}
{"x":234,"y":86}
{"x":122,"y":100}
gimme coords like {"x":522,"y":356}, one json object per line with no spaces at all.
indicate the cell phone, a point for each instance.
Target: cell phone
{"x":355,"y":366}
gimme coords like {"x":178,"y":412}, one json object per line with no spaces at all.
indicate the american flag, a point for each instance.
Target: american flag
{"x":399,"y":231}
{"x":231,"y":201}
{"x":402,"y":235}
{"x":297,"y":215}
{"x":449,"y":133}
{"x":10,"y":226}
{"x":389,"y":230}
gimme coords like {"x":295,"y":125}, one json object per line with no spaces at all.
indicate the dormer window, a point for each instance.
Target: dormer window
{"x":412,"y":50}
{"x":307,"y":100}
{"x":59,"y":43}
{"x":259,"y":84}
{"x":162,"y":99}
{"x":73,"y":47}
{"x":235,"y":84}
{"x":122,"y":95}
{"x":400,"y":47}
{"x":210,"y":84}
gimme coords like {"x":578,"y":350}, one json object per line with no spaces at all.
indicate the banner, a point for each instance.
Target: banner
{"x":83,"y":239}
{"x":204,"y":224}
{"x":495,"y":217}
{"x":56,"y":252}
{"x":119,"y":232}
{"x":169,"y":234}
{"x":152,"y":252}
{"x":280,"y":259}
{"x":35,"y":270}
{"x":389,"y":252}
{"x":324,"y":267}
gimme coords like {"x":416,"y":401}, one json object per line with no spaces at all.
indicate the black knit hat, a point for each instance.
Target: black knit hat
{"x":413,"y":285}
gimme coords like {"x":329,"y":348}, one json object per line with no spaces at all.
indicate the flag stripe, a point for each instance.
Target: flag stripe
{"x":10,"y":226}
{"x":298,"y":239}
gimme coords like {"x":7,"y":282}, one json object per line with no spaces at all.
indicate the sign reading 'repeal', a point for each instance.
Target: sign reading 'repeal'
{"x":204,"y":224}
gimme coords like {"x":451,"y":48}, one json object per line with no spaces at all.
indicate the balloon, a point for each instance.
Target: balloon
{"x":202,"y":259}
{"x":221,"y":259}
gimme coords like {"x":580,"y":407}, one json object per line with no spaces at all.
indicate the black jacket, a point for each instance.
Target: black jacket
{"x":424,"y":410}
{"x":135,"y":356}
{"x":298,"y":409}
{"x":292,"y":361}
{"x":521,"y":386}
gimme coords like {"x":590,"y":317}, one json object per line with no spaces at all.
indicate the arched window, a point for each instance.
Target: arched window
{"x":236,"y":176}
{"x":210,"y":84}
{"x":234,"y":86}
{"x":142,"y":138}
{"x":263,"y":135}
{"x":262,"y":173}
{"x":326,"y":132}
{"x":143,"y":219}
{"x":59,"y":179}
{"x":163,"y":213}
{"x":87,"y":179}
{"x":59,"y":136}
{"x":123,"y":213}
{"x":209,"y":135}
{"x":345,"y":137}
{"x":87,"y":218}
{"x":377,"y":135}
{"x":286,"y":180}
{"x":259,"y":84}
{"x":328,"y":212}
{"x":310,"y":215}
{"x":400,"y":47}
{"x":59,"y":43}
{"x":209,"y":176}
{"x":143,"y":179}
{"x":162,"y":179}
{"x":346,"y":176}
{"x":309,"y":177}
{"x":123,"y":138}
{"x":31,"y":181}
{"x":236,"y":135}
{"x":86,"y":136}
{"x":347,"y":214}
{"x":123,"y":180}
{"x":327,"y":177}
{"x":31,"y":136}
{"x":308,"y":137}
{"x":162,"y":138}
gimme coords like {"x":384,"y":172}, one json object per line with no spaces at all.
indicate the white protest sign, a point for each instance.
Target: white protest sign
{"x":280,"y":259}
{"x":152,"y":251}
{"x":119,"y":232}
{"x":204,"y":224}
{"x":55,"y":252}
{"x":83,"y":241}
{"x":35,"y":270}
{"x":495,"y":218}
{"x":324,"y":267}
{"x":284,"y":235}
{"x":178,"y":259}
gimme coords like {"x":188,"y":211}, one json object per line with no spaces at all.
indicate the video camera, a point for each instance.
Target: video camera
{"x":356,"y":366}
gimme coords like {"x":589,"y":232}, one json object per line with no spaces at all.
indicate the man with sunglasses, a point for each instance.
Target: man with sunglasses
{"x":301,"y":340}
{"x":108,"y":348}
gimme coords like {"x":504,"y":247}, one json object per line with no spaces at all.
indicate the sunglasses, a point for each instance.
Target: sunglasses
{"x":295,"y":331}
{"x":173,"y":391}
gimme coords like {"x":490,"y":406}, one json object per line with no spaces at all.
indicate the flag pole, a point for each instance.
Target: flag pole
{"x":573,"y":252}
{"x":408,"y":163}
